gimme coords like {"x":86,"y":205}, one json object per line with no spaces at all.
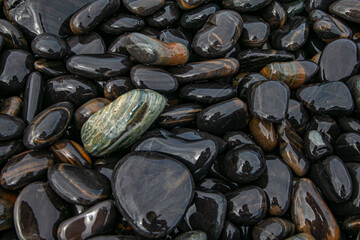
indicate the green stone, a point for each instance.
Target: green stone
{"x":122,"y":122}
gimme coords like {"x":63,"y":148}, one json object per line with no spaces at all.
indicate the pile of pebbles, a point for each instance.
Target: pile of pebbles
{"x":185,"y":120}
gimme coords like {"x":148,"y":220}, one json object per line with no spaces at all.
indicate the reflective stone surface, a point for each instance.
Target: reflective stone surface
{"x":10,"y":127}
{"x":273,"y":228}
{"x":255,"y":31}
{"x":196,"y":18}
{"x":143,"y":7}
{"x":347,"y":147}
{"x":264,"y":134}
{"x":85,"y":111}
{"x":11,"y":106}
{"x":245,"y":6}
{"x":117,"y":86}
{"x":7,"y":201}
{"x":121,"y":23}
{"x":348,"y":10}
{"x":180,"y":115}
{"x":50,"y":46}
{"x":91,"y":43}
{"x":33,"y":97}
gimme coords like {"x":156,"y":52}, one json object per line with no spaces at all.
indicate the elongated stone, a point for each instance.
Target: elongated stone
{"x":122,"y":122}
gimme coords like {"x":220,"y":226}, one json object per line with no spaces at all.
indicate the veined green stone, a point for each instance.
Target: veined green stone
{"x":122,"y":122}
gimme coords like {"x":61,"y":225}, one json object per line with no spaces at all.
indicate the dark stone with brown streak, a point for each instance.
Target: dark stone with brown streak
{"x":333,"y":179}
{"x":85,"y":111}
{"x":25,"y":168}
{"x":346,"y":9}
{"x":69,"y":88}
{"x":48,"y":45}
{"x":244,"y":164}
{"x":9,"y":148}
{"x":274,"y":14}
{"x":173,"y":35}
{"x":33,"y":97}
{"x":181,"y":115}
{"x":326,"y":125}
{"x":10,"y":127}
{"x":52,"y":68}
{"x":189,"y":4}
{"x":153,"y":78}
{"x":12,"y":36}
{"x":333,"y":98}
{"x":207,"y":213}
{"x":273,"y":229}
{"x":143,"y":7}
{"x":253,"y":60}
{"x":244,"y":6}
{"x":166,"y":16}
{"x":115,"y":87}
{"x":347,"y":147}
{"x":214,"y":184}
{"x":196,"y":18}
{"x":11,"y":106}
{"x":16,"y":65}
{"x":230,"y":232}
{"x":247,"y":205}
{"x":264,"y":134}
{"x":119,"y":45}
{"x":78,"y":185}
{"x":122,"y":23}
{"x":156,"y":185}
{"x":33,"y":203}
{"x":269,"y":100}
{"x":349,"y":124}
{"x":255,"y":31}
{"x":90,"y":15}
{"x":7,"y":201}
{"x":48,"y":126}
{"x":224,"y":116}
{"x":291,"y":148}
{"x":245,"y":83}
{"x":91,"y":43}
{"x":310,"y":213}
{"x":276,"y":181}
{"x":219,"y":34}
{"x":292,"y":36}
{"x":102,"y":215}
{"x":297,"y":116}
{"x":316,"y":146}
{"x":68,"y":151}
{"x":210,"y":69}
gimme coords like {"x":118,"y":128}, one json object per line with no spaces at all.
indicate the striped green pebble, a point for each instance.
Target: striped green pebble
{"x":122,"y":122}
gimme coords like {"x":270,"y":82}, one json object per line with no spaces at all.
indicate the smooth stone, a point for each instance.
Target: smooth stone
{"x":207,"y":93}
{"x":244,"y":6}
{"x":98,"y":219}
{"x":166,"y":16}
{"x":210,"y":69}
{"x":347,"y":147}
{"x":244,"y":83}
{"x":157,"y":79}
{"x":264,"y":134}
{"x":133,"y":113}
{"x":151,"y":51}
{"x":292,"y":36}
{"x":230,"y":232}
{"x":105,"y":166}
{"x":276,"y":181}
{"x":150,"y":32}
{"x":294,"y":73}
{"x":219,"y":34}
{"x":339,"y":60}
{"x":253,"y":60}
{"x":274,"y":14}
{"x":90,"y":15}
{"x":78,"y":185}
{"x":69,"y":88}
{"x":332,"y":98}
{"x":25,"y":168}
{"x":181,"y":115}
{"x":246,"y":205}
{"x":12,"y":36}
{"x":38,"y":211}
{"x":68,"y":151}
{"x":189,"y":4}
{"x":301,"y":236}
{"x":310,"y":213}
{"x":354,"y":86}
{"x":122,"y":23}
{"x":91,"y":43}
{"x":269,"y":100}
{"x":99,"y":66}
{"x":8,"y":149}
{"x":333,"y":179}
{"x":326,"y":125}
{"x":48,"y":45}
{"x":236,"y":138}
{"x":322,"y":5}
{"x":316,"y":146}
{"x":16,"y":65}
{"x":294,"y":8}
{"x":143,"y":7}
{"x":291,"y":148}
{"x":85,"y":111}
{"x":224,"y":116}
{"x":166,"y":202}
{"x":50,"y":16}
{"x":51,"y":68}
{"x":349,"y":124}
{"x":255,"y":32}
{"x":196,"y":18}
{"x":346,"y":9}
{"x":7,"y":201}
{"x":214,"y":184}
{"x":273,"y":228}
{"x":115,"y":87}
{"x":192,"y":235}
{"x":243,"y":164}
{"x":173,"y":35}
{"x":48,"y":126}
{"x":10,"y":127}
{"x":11,"y":106}
{"x":119,"y":45}
{"x":196,"y":155}
{"x":33,"y":96}
{"x":207,"y":213}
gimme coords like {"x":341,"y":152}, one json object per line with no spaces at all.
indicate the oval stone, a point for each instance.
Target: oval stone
{"x":117,"y":86}
{"x":50,"y":46}
{"x":196,"y":18}
{"x":264,"y":134}
{"x":33,"y":96}
{"x":255,"y":32}
{"x":143,"y":7}
{"x":179,"y":115}
{"x":347,"y":147}
{"x":12,"y":36}
{"x":166,"y":200}
{"x":91,"y":43}
{"x":316,"y":146}
{"x":122,"y":23}
{"x":10,"y":127}
{"x":346,"y":9}
{"x":85,"y":111}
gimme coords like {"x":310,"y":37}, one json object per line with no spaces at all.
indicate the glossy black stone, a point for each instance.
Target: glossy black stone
{"x":153,"y":205}
{"x":196,"y":18}
{"x":346,"y":9}
{"x":9,"y":148}
{"x":33,"y":96}
{"x":292,"y":36}
{"x":273,"y":228}
{"x":50,"y":46}
{"x":115,"y":87}
{"x":214,"y":184}
{"x":48,"y":126}
{"x":326,"y":125}
{"x":255,"y":31}
{"x":230,"y":232}
{"x":192,"y":235}
{"x":349,"y":124}
{"x":317,"y":4}
{"x":105,"y":166}
{"x":122,"y":23}
{"x":236,"y":138}
{"x":12,"y":36}
{"x":244,"y":6}
{"x":297,"y":116}
{"x":333,"y":178}
{"x":354,"y":86}
{"x":7,"y":201}
{"x":316,"y":146}
{"x":207,"y":213}
{"x":274,"y":14}
{"x":347,"y":147}
{"x":181,"y":115}
{"x":333,"y":98}
{"x":51,"y":68}
{"x":91,"y":43}
{"x":269,"y":100}
{"x":166,"y":16}
{"x":172,"y":35}
{"x":69,"y":88}
{"x":33,"y":203}
{"x":10,"y":127}
{"x":16,"y":65}
{"x":143,"y":7}
{"x":119,"y":45}
{"x":244,"y":83}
